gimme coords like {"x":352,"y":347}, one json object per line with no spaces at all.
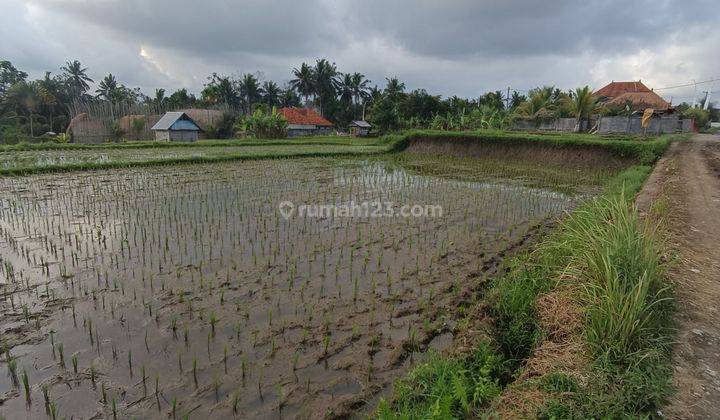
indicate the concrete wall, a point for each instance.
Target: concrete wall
{"x":610,"y":125}
{"x":296,"y":131}
{"x":560,"y":124}
{"x":633,"y":125}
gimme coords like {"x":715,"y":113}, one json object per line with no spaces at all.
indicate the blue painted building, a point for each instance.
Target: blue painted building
{"x":176,"y":126}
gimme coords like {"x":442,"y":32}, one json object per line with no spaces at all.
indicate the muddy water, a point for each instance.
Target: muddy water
{"x":184,"y":291}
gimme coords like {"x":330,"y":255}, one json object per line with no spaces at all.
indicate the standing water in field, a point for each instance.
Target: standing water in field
{"x":184,"y":290}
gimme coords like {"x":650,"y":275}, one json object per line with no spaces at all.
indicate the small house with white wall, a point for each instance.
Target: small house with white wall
{"x":176,"y":126}
{"x":305,"y":122}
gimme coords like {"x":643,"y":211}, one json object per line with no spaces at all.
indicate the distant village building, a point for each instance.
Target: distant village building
{"x":176,"y":126}
{"x":360,"y":128}
{"x":305,"y":122}
{"x":633,"y":94}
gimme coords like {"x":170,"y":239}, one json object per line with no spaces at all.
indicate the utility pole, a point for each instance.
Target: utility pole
{"x":707,"y":100}
{"x":507,"y":99}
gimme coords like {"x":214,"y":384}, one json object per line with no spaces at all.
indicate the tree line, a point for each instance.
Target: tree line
{"x":29,"y":108}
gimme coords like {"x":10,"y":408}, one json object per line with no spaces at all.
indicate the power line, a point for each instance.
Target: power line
{"x":689,"y":84}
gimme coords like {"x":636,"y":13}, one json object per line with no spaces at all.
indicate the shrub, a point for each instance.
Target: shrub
{"x":222,"y":128}
{"x":63,"y":138}
{"x":116,"y":132}
{"x":264,"y":125}
{"x":448,"y":388}
{"x":701,"y":116}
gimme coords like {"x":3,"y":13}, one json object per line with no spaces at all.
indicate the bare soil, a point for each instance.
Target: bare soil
{"x":687,"y":183}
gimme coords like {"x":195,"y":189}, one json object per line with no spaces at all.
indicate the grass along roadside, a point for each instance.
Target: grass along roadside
{"x":582,"y":322}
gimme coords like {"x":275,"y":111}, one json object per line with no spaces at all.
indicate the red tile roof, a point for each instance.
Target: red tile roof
{"x":618,"y":88}
{"x":304,"y":116}
{"x":619,"y":93}
{"x":640,"y":100}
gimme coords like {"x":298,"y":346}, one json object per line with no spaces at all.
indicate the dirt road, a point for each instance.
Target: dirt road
{"x":687,"y":181}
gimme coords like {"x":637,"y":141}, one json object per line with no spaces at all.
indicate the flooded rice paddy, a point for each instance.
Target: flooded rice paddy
{"x":174,"y":292}
{"x":55,"y":158}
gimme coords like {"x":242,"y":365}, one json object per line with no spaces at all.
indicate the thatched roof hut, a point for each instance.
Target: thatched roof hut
{"x":85,"y":129}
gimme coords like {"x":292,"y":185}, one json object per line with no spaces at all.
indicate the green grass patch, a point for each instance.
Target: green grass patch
{"x":444,"y":388}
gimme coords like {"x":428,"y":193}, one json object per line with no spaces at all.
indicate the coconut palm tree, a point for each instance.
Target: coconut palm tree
{"x":249,"y":87}
{"x":346,"y":89}
{"x":325,"y":82}
{"x":49,"y":91}
{"x":361,"y":90}
{"x":107,"y":88}
{"x":394,"y":88}
{"x":304,"y":81}
{"x":516,"y":99}
{"x":159,"y":100}
{"x":271,"y":93}
{"x":360,"y":87}
{"x":540,"y":103}
{"x":77,"y":78}
{"x":220,"y":89}
{"x":581,"y":103}
{"x":26,"y":97}
{"x":289,"y":98}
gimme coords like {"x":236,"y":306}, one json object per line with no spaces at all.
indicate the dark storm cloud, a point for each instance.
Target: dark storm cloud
{"x":274,"y":27}
{"x":527,"y":27}
{"x":461,"y":47}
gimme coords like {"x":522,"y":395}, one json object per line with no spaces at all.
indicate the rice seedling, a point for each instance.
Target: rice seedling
{"x":61,"y":353}
{"x":235,"y":402}
{"x":194,"y":371}
{"x":173,"y":242}
{"x":46,"y":396}
{"x":93,"y":374}
{"x":113,"y":408}
{"x":157,"y":391}
{"x":26,"y":386}
{"x":213,"y":322}
{"x":130,"y":363}
{"x":53,"y":411}
{"x":216,"y":388}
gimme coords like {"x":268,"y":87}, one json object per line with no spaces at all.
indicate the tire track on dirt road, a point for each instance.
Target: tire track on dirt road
{"x":687,"y":181}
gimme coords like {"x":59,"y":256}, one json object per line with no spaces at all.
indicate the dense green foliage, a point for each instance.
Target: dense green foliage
{"x":261,"y":125}
{"x":444,"y":388}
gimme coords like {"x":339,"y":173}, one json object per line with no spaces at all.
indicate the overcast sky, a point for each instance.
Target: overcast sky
{"x":450,"y":47}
